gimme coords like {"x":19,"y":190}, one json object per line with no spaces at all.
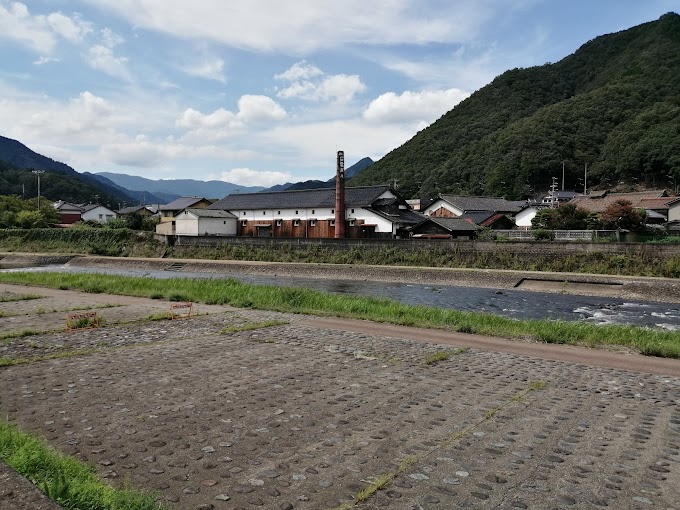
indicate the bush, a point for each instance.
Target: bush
{"x":543,"y":235}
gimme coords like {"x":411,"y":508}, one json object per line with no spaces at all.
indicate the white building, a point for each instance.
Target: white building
{"x":200,"y":222}
{"x":96,"y":212}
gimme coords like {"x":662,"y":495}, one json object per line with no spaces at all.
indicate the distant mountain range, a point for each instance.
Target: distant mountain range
{"x":174,"y":188}
{"x":61,"y":182}
{"x":170,"y":189}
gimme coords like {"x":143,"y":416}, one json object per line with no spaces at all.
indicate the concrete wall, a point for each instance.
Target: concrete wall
{"x":464,"y":247}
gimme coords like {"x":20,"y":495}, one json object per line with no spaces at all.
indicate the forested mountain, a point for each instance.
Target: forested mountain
{"x":58,"y":182}
{"x":614,"y":105}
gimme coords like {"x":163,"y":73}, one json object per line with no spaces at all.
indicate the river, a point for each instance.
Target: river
{"x":510,"y":303}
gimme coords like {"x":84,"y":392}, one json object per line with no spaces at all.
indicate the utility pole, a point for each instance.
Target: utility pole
{"x":38,"y":172}
{"x":562,"y":175}
{"x":585,"y":181}
{"x":552,"y":195}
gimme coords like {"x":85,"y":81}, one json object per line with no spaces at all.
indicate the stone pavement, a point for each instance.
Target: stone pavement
{"x":294,"y":416}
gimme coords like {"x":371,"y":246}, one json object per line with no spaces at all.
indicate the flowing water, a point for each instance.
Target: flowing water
{"x":510,"y":303}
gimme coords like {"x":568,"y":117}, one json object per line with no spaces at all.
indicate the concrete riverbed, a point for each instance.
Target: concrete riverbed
{"x":304,"y":413}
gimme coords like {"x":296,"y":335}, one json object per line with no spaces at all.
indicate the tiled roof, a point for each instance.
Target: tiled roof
{"x":642,"y":199}
{"x":478,"y":217}
{"x":181,"y":203}
{"x":405,"y":216}
{"x":452,"y":224}
{"x":470,"y":204}
{"x":303,"y":199}
{"x":131,"y":210}
{"x":210,"y":213}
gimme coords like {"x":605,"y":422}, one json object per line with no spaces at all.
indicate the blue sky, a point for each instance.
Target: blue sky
{"x":260,"y":92}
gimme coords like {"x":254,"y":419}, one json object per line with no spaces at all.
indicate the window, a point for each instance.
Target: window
{"x":332,"y":211}
{"x":278,"y":223}
{"x":296,"y":223}
{"x":264,"y":213}
{"x":352,"y":210}
{"x":225,"y":222}
{"x":244,"y":213}
{"x":312,"y":223}
{"x":244,"y":223}
{"x":101,"y":216}
{"x":279,"y":212}
{"x":296,"y":212}
{"x":313,"y":211}
{"x":351,"y":223}
{"x":332,"y":223}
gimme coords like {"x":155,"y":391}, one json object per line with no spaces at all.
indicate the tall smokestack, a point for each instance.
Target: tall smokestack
{"x":340,"y":197}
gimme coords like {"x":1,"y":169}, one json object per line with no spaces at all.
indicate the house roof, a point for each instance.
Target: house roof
{"x":642,"y":199}
{"x":132,"y":210}
{"x":405,"y":216}
{"x":67,"y":205}
{"x":470,"y":204}
{"x":451,"y":224}
{"x":478,"y":217}
{"x":90,"y":207}
{"x":182,"y":203}
{"x":209,"y":213}
{"x":302,"y":199}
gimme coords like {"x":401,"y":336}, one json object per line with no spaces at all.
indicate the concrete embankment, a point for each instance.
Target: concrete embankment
{"x":625,"y":287}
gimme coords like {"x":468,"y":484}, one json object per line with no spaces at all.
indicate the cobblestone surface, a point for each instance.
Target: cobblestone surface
{"x":297,"y":417}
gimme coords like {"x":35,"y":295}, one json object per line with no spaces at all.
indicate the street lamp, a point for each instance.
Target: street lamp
{"x":38,"y":172}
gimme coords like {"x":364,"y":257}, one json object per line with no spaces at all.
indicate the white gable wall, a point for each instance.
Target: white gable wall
{"x":101,"y":214}
{"x":438,"y":204}
{"x":188,"y":224}
{"x":524,"y":217}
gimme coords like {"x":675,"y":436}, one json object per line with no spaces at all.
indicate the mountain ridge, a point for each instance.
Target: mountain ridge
{"x":613,"y":104}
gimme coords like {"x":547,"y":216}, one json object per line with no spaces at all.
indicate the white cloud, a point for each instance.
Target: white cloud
{"x":312,"y":84}
{"x":259,"y":109}
{"x":45,"y":60}
{"x":299,"y":71}
{"x":221,"y":123}
{"x":424,"y":106}
{"x":103,"y":59}
{"x":220,"y":118}
{"x":248,"y":177}
{"x":17,"y":24}
{"x":304,"y":26}
{"x":109,"y":38}
{"x":73,"y":30}
{"x":210,"y":68}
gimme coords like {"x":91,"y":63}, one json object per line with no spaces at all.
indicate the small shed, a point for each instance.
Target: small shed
{"x":447,"y":228}
{"x":205,"y":222}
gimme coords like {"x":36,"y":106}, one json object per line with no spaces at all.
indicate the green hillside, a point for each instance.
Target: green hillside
{"x":613,"y":105}
{"x":58,"y":182}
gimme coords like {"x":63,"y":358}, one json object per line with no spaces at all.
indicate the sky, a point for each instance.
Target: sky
{"x":262,"y":92}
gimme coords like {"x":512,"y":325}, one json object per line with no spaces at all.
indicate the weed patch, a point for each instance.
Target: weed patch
{"x":444,"y":355}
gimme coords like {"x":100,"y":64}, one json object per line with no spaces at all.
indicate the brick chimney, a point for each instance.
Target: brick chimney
{"x":340,"y":197}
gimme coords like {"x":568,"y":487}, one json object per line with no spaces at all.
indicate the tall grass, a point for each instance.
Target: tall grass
{"x":296,"y":300}
{"x":64,"y":479}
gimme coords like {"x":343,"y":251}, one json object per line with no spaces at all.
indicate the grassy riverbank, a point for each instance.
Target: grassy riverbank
{"x":65,"y":480}
{"x":296,"y":300}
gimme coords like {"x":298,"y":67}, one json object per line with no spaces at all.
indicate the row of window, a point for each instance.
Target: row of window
{"x":264,"y":213}
{"x":296,"y":223}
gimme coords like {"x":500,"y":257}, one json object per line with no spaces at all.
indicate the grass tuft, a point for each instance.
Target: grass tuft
{"x":538,"y":385}
{"x":444,"y":355}
{"x":252,"y":326}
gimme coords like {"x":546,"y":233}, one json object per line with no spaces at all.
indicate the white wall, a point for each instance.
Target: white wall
{"x":101,"y":214}
{"x":438,"y":205}
{"x":382,"y":225}
{"x":187,"y":224}
{"x":524,"y":217}
{"x":674,"y":212}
